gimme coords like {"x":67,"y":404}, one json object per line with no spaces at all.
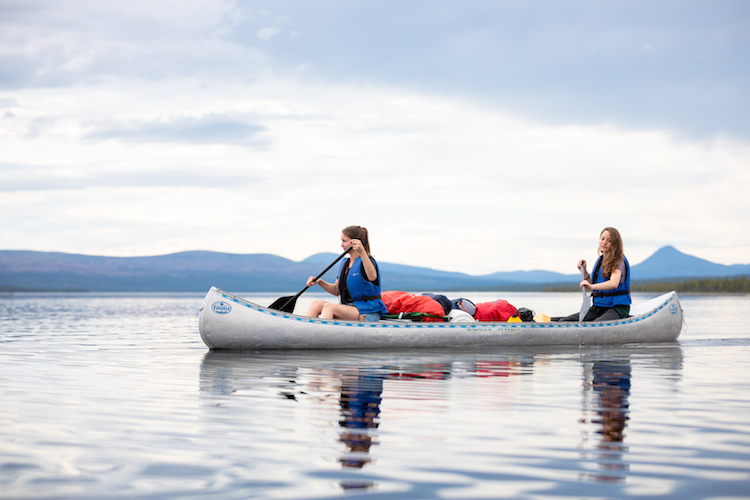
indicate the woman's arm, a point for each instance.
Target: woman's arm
{"x":582,"y":264}
{"x":371,"y":272}
{"x":367,"y":266}
{"x":612,"y":283}
{"x":332,"y":288}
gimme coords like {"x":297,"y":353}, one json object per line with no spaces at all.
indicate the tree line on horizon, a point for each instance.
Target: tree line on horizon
{"x":730,"y":284}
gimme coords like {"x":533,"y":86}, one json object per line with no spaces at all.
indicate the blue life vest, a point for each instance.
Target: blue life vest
{"x":357,"y":291}
{"x":620,"y":296}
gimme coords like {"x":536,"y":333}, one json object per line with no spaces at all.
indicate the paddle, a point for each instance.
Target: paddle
{"x":586,"y":300}
{"x":286,"y":304}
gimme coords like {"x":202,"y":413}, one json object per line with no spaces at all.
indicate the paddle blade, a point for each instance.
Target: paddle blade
{"x":586,"y":305}
{"x":284,"y":304}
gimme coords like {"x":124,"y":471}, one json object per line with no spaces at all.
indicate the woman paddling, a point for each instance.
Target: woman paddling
{"x":358,"y":283}
{"x":610,"y":281}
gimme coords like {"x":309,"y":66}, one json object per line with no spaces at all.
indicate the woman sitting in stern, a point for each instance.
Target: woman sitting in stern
{"x":610,"y":281}
{"x":358,"y":283}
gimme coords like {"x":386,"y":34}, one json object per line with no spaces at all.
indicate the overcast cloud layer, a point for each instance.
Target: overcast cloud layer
{"x":467,"y":136}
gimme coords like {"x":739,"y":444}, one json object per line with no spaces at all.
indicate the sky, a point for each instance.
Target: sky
{"x":475,"y":136}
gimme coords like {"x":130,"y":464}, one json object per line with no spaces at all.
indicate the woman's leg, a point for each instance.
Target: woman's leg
{"x":572,"y":317}
{"x":316,"y":308}
{"x":339,"y":311}
{"x":608,"y":315}
{"x":592,"y":314}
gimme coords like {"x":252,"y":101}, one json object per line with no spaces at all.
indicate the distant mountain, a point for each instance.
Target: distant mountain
{"x":668,"y":262}
{"x":197,"y":271}
{"x":184,"y":271}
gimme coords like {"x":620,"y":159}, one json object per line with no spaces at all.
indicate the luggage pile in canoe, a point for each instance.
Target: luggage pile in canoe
{"x":229,"y":322}
{"x":435,"y":307}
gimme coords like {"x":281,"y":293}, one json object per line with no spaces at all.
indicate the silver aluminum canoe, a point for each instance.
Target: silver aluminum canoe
{"x":229,"y":322}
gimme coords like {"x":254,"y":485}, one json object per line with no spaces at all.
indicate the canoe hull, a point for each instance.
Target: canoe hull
{"x":229,"y":322}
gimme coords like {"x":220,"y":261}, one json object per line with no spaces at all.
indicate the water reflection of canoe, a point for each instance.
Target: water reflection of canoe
{"x":233,"y":323}
{"x":227,"y":372}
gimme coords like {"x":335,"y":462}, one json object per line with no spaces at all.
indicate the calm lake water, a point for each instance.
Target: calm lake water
{"x":116,"y":396}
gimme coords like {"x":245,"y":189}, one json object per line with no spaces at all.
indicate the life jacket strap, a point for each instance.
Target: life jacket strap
{"x":371,"y":297}
{"x":607,"y":293}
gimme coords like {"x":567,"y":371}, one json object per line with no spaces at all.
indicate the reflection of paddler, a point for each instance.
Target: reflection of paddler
{"x":609,"y":383}
{"x":612,"y":383}
{"x":360,"y":411}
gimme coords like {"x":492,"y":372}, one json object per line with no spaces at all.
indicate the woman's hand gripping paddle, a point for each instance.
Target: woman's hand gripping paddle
{"x":286,"y":304}
{"x":586,"y":300}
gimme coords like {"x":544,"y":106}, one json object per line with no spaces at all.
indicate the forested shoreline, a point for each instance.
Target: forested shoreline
{"x":731,"y":284}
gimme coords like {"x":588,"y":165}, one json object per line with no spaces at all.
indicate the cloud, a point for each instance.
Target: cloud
{"x":8,"y":103}
{"x":443,"y":182}
{"x":210,"y":129}
{"x":672,"y":64}
{"x":266,"y":34}
{"x":49,"y":44}
{"x":575,"y":63}
{"x":38,"y":178}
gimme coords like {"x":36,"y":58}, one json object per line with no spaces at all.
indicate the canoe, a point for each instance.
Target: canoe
{"x":229,"y":322}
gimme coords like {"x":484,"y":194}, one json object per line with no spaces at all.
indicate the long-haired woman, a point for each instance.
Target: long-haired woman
{"x":357,"y":284}
{"x":610,"y":279}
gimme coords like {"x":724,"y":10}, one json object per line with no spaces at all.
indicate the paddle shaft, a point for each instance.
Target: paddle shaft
{"x":295,"y":297}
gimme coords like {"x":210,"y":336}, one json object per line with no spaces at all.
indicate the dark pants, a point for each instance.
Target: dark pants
{"x":595,"y":314}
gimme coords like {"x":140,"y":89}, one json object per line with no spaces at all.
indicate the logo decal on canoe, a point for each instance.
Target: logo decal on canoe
{"x":673,"y":308}
{"x":221,"y":308}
